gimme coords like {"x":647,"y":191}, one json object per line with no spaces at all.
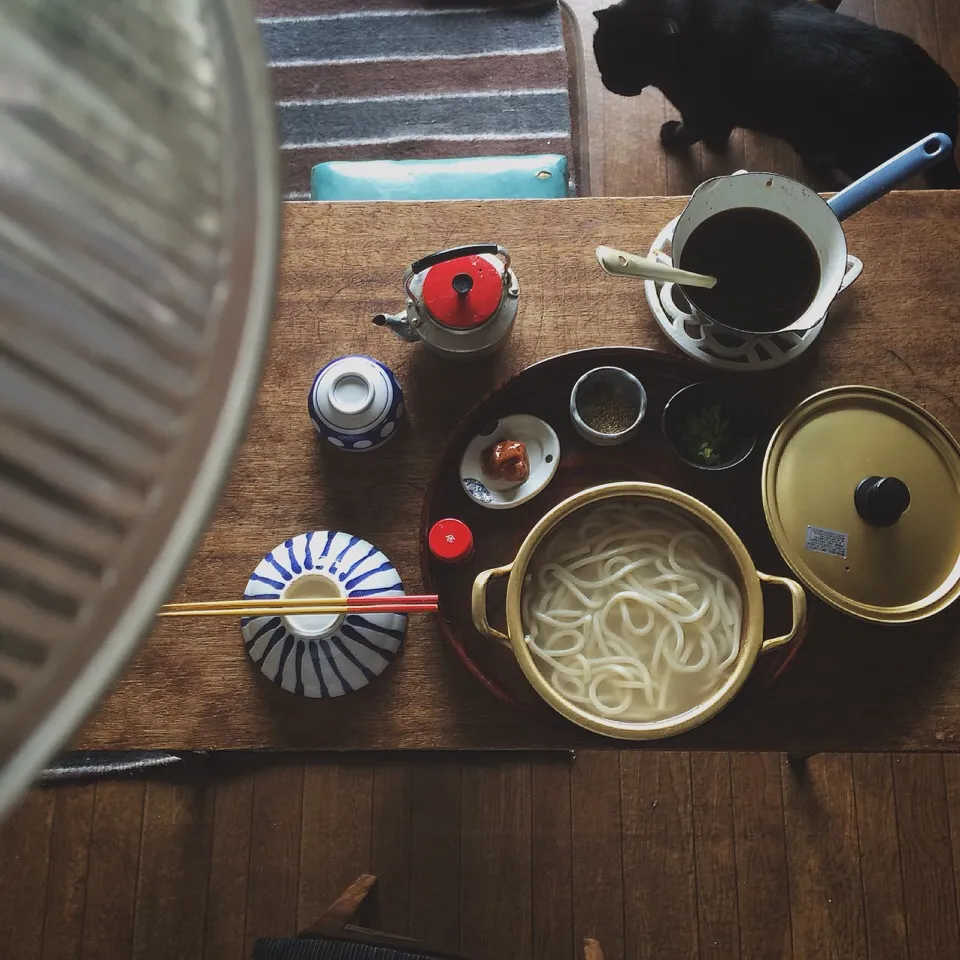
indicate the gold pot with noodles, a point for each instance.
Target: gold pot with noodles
{"x":635,"y":610}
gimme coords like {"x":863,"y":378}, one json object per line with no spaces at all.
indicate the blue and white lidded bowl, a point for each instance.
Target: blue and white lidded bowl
{"x":355,"y":403}
{"x":331,"y":654}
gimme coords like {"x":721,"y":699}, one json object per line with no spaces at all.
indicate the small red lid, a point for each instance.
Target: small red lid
{"x":463,"y":293}
{"x":450,"y":540}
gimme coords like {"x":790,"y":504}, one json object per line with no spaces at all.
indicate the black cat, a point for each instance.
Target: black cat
{"x":844,"y":94}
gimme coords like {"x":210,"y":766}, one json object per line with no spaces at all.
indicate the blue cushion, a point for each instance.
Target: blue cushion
{"x":474,"y":178}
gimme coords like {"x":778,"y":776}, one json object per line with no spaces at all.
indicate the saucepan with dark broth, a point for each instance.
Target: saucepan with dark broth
{"x":767,"y":269}
{"x":776,"y":247}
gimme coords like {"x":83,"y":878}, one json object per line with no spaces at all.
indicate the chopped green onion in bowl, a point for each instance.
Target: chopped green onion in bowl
{"x":709,"y":427}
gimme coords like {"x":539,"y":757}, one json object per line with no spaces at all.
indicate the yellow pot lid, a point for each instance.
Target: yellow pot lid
{"x":861,"y":490}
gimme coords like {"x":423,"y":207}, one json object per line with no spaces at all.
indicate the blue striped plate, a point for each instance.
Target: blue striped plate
{"x":324,"y":656}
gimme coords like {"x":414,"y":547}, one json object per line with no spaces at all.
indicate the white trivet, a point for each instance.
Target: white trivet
{"x":722,"y":350}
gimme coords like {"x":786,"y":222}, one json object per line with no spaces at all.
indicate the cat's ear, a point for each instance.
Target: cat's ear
{"x":669,"y":28}
{"x":600,"y":14}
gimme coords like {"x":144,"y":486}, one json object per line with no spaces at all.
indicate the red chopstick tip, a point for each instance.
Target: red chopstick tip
{"x":394,"y":598}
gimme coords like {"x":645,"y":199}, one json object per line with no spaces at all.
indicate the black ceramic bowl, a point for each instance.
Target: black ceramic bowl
{"x":709,"y":427}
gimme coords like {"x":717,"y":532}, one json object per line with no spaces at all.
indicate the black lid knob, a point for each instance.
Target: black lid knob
{"x":463,"y":283}
{"x":881,"y":501}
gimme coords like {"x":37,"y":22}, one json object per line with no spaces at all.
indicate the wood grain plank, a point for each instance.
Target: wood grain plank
{"x":25,"y":838}
{"x":593,"y":138}
{"x":763,"y":892}
{"x":929,"y":885}
{"x":597,"y":836}
{"x":174,"y":870}
{"x":951,"y":772}
{"x":879,"y":856}
{"x":390,"y":845}
{"x":826,"y":887}
{"x":634,"y":163}
{"x":623,"y":132}
{"x":659,"y":873}
{"x":722,"y":164}
{"x":948,"y":40}
{"x":552,"y":863}
{"x":948,"y":35}
{"x":230,"y":854}
{"x":111,"y":897}
{"x":860,"y":9}
{"x":917,"y":19}
{"x":682,"y":168}
{"x":435,"y":853}
{"x":273,"y":878}
{"x":67,"y":884}
{"x":496,"y":914}
{"x":769,"y":155}
{"x":715,"y":856}
{"x":579,"y":84}
{"x":336,"y":833}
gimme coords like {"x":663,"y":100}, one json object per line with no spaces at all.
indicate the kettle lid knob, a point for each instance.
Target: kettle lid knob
{"x":463,"y":283}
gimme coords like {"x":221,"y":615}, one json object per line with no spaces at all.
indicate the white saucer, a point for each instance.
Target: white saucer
{"x":543,"y":452}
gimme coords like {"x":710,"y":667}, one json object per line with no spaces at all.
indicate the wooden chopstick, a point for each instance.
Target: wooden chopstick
{"x":300,"y":611}
{"x":365,"y":602}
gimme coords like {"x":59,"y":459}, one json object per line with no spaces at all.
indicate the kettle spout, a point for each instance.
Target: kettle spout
{"x":399,"y":324}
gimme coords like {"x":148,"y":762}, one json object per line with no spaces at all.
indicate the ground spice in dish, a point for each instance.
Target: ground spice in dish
{"x":605,"y":409}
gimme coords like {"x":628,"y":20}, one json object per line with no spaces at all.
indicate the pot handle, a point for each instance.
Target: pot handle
{"x":453,"y":253}
{"x":799,"y":603}
{"x":872,"y":186}
{"x":478,"y":605}
{"x":854,"y":269}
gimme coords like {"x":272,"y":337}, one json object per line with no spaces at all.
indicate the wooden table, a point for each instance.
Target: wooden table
{"x":852,"y":686}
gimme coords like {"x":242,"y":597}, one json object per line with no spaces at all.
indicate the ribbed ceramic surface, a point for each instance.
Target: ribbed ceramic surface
{"x":138,"y":209}
{"x":353,"y":652}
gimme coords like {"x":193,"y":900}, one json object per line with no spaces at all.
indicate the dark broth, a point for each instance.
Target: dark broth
{"x":767,"y":269}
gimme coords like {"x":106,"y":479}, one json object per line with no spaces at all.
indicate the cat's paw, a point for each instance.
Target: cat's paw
{"x":673,"y":134}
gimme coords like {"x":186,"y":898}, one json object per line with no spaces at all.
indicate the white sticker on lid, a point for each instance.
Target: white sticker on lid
{"x":831,"y":542}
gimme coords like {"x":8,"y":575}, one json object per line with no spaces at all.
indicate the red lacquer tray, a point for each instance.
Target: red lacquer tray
{"x":544,"y":391}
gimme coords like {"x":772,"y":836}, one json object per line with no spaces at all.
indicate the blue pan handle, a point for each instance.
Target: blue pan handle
{"x":873,"y":185}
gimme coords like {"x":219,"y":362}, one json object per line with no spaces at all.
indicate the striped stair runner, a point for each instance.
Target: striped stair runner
{"x":413,"y":79}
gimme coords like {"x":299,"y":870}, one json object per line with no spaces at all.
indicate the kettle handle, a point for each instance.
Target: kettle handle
{"x":442,"y":256}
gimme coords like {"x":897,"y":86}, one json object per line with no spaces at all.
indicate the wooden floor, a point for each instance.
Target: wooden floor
{"x":659,"y":855}
{"x":625,"y":155}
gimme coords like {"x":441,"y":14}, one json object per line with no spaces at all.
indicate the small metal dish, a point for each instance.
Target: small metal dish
{"x":726,"y":446}
{"x":616,"y":394}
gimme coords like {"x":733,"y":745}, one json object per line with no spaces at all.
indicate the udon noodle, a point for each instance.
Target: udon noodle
{"x":630,"y":612}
